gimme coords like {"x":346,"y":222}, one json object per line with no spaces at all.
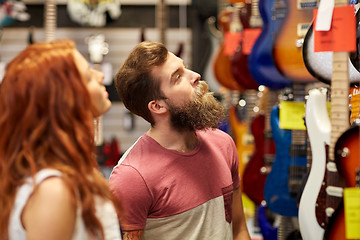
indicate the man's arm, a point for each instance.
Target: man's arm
{"x":240,"y":230}
{"x":132,"y":235}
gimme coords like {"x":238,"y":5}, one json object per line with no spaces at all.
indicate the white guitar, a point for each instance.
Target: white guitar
{"x":318,"y":127}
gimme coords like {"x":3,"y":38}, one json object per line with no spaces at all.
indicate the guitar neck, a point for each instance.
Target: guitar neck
{"x":271,"y":99}
{"x":339,"y":98}
{"x":255,"y":19}
{"x":161,"y":20}
{"x":50,"y":20}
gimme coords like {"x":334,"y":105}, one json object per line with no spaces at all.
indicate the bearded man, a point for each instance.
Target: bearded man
{"x":180,"y":180}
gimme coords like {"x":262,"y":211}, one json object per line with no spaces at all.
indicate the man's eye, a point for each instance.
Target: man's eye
{"x":178,"y":76}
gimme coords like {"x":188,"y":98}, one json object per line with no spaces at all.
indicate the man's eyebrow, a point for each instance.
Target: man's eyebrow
{"x":174,"y":73}
{"x":177,"y":70}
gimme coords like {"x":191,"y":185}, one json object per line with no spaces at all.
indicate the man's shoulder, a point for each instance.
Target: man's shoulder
{"x":214,"y":133}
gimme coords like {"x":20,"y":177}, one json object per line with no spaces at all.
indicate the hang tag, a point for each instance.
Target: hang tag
{"x":250,"y":36}
{"x":324,"y":15}
{"x":231,"y":42}
{"x":342,"y":34}
{"x":352,"y":212}
{"x":291,"y":115}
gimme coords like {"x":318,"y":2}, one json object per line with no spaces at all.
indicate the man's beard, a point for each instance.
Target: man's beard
{"x":204,"y":111}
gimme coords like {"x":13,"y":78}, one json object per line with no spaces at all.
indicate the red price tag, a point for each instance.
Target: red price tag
{"x":231,"y":42}
{"x":250,"y":36}
{"x":342,"y":34}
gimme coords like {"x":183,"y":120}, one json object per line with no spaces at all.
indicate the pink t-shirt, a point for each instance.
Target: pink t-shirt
{"x":174,"y":195}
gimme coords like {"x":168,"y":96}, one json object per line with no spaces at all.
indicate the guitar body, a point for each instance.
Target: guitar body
{"x":276,"y":190}
{"x":288,"y":44}
{"x":243,"y":139}
{"x":319,"y":64}
{"x":261,"y":62}
{"x":268,"y":231}
{"x":222,"y":70}
{"x":253,"y":178}
{"x":318,"y":128}
{"x":222,"y":63}
{"x":239,"y":62}
{"x":347,"y":166}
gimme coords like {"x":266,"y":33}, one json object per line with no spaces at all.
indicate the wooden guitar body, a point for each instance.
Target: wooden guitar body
{"x":347,"y":162}
{"x":243,"y":139}
{"x":276,"y":190}
{"x":223,"y":72}
{"x":222,"y":63}
{"x":318,"y":127}
{"x":253,"y":177}
{"x":261,"y":62}
{"x":288,"y":44}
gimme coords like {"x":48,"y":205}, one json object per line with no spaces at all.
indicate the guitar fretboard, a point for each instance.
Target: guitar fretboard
{"x":339,"y":98}
{"x":50,"y":20}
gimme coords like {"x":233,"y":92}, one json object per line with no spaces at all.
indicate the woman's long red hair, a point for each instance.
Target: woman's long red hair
{"x":46,"y":121}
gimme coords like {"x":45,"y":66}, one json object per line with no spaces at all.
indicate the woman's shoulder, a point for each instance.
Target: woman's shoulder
{"x":52,"y":208}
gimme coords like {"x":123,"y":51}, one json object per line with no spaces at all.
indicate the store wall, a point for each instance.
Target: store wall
{"x":121,"y":35}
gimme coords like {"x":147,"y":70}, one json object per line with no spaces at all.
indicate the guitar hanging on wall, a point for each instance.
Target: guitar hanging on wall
{"x":261,"y":60}
{"x":330,"y":188}
{"x":222,"y":62}
{"x":97,"y":49}
{"x":289,"y":39}
{"x":251,"y":21}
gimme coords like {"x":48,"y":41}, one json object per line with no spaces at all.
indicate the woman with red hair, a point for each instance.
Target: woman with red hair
{"x":50,"y":185}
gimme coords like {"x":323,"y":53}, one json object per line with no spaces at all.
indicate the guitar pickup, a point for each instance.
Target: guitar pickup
{"x":305,"y":4}
{"x":334,"y":191}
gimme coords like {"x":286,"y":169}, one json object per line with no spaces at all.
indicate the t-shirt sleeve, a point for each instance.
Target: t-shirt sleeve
{"x":234,"y":165}
{"x":130,"y":190}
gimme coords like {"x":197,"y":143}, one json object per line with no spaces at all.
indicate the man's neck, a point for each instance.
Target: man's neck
{"x":181,"y":141}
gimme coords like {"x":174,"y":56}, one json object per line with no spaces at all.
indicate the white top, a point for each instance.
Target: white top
{"x":105,"y":212}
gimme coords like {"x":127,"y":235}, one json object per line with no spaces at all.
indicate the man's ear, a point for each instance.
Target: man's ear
{"x":157,"y":106}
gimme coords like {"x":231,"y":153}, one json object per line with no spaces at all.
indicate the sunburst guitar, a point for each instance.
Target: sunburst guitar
{"x":287,"y":48}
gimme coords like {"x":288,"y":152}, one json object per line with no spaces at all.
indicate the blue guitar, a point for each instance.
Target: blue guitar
{"x":287,"y":169}
{"x":261,"y":63}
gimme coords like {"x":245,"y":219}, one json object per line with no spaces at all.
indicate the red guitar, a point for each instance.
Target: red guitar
{"x":255,"y":172}
{"x":239,"y":63}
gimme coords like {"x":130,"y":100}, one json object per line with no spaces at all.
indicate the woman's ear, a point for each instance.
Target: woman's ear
{"x":157,"y":106}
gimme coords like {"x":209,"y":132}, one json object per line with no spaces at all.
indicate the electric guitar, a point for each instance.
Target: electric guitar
{"x":318,"y":128}
{"x":222,"y":62}
{"x":261,"y":61}
{"x":319,"y":64}
{"x":240,"y":117}
{"x":256,"y":170}
{"x":239,"y":62}
{"x":268,"y":231}
{"x":289,"y":166}
{"x":348,"y":164}
{"x":289,"y":39}
{"x":331,"y":190}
